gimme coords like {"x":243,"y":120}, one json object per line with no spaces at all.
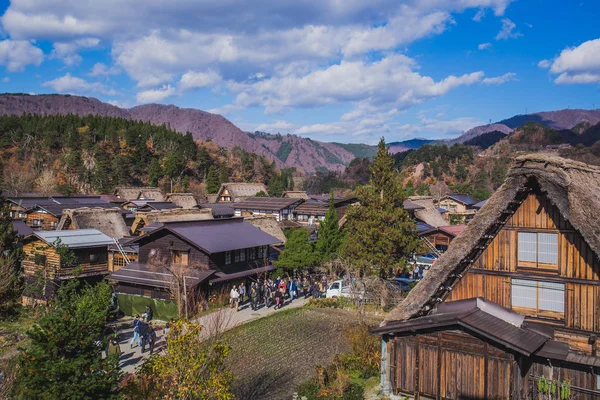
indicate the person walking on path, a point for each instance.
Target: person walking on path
{"x":234,"y":297}
{"x":278,"y":299}
{"x":254,"y":299}
{"x":144,"y":335}
{"x":268,"y":297}
{"x":292,"y":289}
{"x":242,"y":293}
{"x":147,"y":315}
{"x":151,"y":338}
{"x":305,"y":288}
{"x":136,"y":332}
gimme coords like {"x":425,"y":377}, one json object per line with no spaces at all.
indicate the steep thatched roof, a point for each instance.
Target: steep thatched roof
{"x":239,"y":191}
{"x":135,"y":193}
{"x":267,"y":224}
{"x":211,"y":198}
{"x":107,"y":220}
{"x":573,"y":187}
{"x":429,"y":213}
{"x":178,"y":214}
{"x":183,"y":200}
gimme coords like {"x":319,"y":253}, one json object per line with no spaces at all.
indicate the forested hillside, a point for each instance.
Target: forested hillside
{"x":93,"y":154}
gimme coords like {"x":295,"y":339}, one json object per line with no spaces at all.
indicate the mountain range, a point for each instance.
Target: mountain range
{"x":285,"y":150}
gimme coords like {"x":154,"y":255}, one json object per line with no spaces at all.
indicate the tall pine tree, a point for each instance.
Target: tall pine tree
{"x":330,"y":236}
{"x":380,"y":234}
{"x":212,"y":180}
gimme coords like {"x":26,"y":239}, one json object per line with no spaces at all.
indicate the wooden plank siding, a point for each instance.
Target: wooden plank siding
{"x":578,"y":268}
{"x":49,"y":221}
{"x":451,"y":365}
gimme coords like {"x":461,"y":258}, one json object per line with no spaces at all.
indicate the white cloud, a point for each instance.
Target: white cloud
{"x":68,"y":51}
{"x":17,"y":54}
{"x":119,"y":103}
{"x":499,"y":80}
{"x":100,"y":69}
{"x":479,"y":16}
{"x":391,"y":81}
{"x":579,"y":64}
{"x":194,"y":80}
{"x":484,"y":46}
{"x":508,"y":30}
{"x":75,"y":85}
{"x":155,"y":95}
{"x":545,"y":64}
{"x":277,"y":126}
{"x":6,"y":79}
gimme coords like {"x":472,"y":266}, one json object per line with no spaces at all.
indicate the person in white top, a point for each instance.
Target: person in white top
{"x":234,"y":298}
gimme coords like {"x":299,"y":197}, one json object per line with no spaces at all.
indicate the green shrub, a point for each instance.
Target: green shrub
{"x":323,"y":303}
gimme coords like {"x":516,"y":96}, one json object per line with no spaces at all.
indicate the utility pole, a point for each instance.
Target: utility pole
{"x":186,"y":298}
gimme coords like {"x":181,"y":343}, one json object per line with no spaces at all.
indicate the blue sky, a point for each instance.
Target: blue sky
{"x":332,"y":70}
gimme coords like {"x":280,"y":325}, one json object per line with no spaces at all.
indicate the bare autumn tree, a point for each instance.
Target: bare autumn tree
{"x":17,"y":179}
{"x":439,"y":190}
{"x":46,"y":182}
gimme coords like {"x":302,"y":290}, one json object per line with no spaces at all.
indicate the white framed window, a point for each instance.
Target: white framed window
{"x":251,"y":253}
{"x":540,"y":298}
{"x":538,"y":250}
{"x":243,"y":255}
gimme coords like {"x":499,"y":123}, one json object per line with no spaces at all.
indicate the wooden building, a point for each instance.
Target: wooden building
{"x":235,"y":191}
{"x":442,"y":236}
{"x":144,"y":219}
{"x":532,"y":251}
{"x":280,"y":207}
{"x":107,"y":220}
{"x":208,"y":253}
{"x":313,"y":211}
{"x":82,"y":254}
{"x":460,"y":207}
{"x":421,"y":208}
{"x":20,"y":205}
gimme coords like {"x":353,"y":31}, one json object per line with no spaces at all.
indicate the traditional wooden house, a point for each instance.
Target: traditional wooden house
{"x":232,"y":192}
{"x":183,"y":200}
{"x":421,"y":208}
{"x":459,"y":207}
{"x":144,"y":219}
{"x":311,"y":212}
{"x":46,"y":216}
{"x":280,"y":207}
{"x":442,"y":236}
{"x":207,"y":253}
{"x":139,"y":193}
{"x":54,"y":256}
{"x":514,"y":301}
{"x":107,"y":220}
{"x":157,"y":206}
{"x":19,"y":205}
{"x":219,"y":210}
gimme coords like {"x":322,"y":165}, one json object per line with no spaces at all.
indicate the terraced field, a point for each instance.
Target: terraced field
{"x":272,"y":355}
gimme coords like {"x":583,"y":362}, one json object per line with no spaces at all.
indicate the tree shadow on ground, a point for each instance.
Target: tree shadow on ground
{"x":265,"y":385}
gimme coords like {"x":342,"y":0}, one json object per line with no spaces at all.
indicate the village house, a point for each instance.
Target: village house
{"x":144,"y":220}
{"x":45,"y":216}
{"x":422,"y":209}
{"x":513,"y":301}
{"x":205,"y":254}
{"x":459,"y":207}
{"x":233,"y":192}
{"x":313,"y":211}
{"x":54,"y":256}
{"x":295,"y":194}
{"x":183,"y":200}
{"x":107,"y":220}
{"x":441,"y":236}
{"x":139,"y":193}
{"x":19,"y":205}
{"x":280,"y":207}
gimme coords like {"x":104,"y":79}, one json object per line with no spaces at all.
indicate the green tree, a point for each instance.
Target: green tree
{"x":203,"y":162}
{"x":189,"y":368}
{"x":223,"y":174}
{"x":154,"y":172}
{"x":379,"y":233}
{"x":298,"y":251}
{"x":62,"y":359}
{"x":10,"y":263}
{"x":330,"y":236}
{"x":212,"y":180}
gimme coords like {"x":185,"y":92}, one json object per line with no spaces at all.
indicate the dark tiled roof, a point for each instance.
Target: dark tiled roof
{"x":423,"y":227}
{"x":21,"y":228}
{"x":222,"y":277}
{"x":312,"y":207}
{"x":219,"y":210}
{"x":463,"y":198}
{"x":57,"y":209}
{"x":480,"y":204}
{"x":266,"y":203}
{"x":158,"y":205}
{"x":219,"y":235}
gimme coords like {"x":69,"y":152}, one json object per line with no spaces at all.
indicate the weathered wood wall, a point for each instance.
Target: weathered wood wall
{"x":49,"y":220}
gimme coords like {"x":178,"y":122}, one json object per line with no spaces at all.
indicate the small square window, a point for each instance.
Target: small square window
{"x":40,"y":259}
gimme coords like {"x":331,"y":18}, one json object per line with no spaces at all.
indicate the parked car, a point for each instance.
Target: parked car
{"x":338,"y":289}
{"x":404,"y":284}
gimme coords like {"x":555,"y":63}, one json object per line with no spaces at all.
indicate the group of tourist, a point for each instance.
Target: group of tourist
{"x":143,"y":332}
{"x":269,"y":292}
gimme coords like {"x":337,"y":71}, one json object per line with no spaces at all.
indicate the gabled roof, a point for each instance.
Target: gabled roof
{"x":423,"y":227}
{"x":218,"y":235}
{"x":76,"y":238}
{"x":57,"y":209}
{"x":573,"y":187}
{"x":176,"y":214}
{"x":427,"y":212}
{"x":135,"y":193}
{"x":411,"y":206}
{"x":241,"y":190}
{"x":157,"y":276}
{"x":183,"y":200}
{"x":452,"y":230}
{"x":462,"y":198}
{"x":479,"y":205}
{"x":157,"y":205}
{"x":267,"y":224}
{"x":219,"y":210}
{"x":21,"y":228}
{"x":107,"y":220}
{"x":267,"y":203}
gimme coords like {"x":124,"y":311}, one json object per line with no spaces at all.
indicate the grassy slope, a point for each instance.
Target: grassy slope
{"x":272,"y":355}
